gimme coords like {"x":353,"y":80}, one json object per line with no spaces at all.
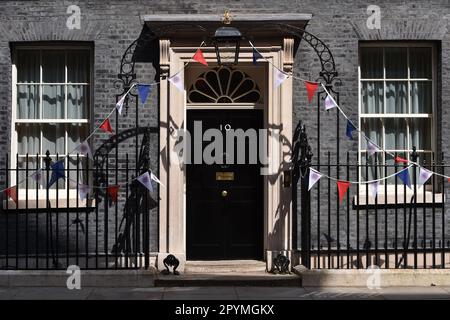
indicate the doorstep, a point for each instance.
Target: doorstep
{"x":259,"y":279}
{"x":361,"y":277}
{"x":240,"y":273}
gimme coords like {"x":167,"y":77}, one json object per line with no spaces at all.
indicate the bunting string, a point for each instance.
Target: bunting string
{"x":83,"y":147}
{"x":330,"y":103}
{"x":366,"y":182}
{"x":178,"y":81}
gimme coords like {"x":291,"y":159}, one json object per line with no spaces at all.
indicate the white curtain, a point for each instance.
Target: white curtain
{"x":421,"y":97}
{"x":76,"y":101}
{"x":373,"y":130}
{"x":53,"y":138}
{"x":27,"y":101}
{"x":53,"y":102}
{"x":395,"y":134}
{"x":396,"y":97}
{"x":28,"y":139}
{"x":372,"y":97}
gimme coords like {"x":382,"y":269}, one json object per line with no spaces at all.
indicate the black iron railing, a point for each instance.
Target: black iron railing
{"x":399,"y":228}
{"x":45,"y":226}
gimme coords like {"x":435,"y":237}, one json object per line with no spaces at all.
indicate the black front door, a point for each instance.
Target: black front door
{"x":225,"y":201}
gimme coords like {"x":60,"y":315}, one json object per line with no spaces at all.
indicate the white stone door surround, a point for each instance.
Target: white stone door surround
{"x":174,"y":54}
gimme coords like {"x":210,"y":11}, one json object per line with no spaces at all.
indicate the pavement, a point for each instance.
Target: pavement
{"x":225,"y":293}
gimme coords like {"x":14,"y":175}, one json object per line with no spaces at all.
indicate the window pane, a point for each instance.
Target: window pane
{"x":53,"y":102}
{"x":425,"y":158}
{"x":53,"y":138}
{"x":370,"y":168}
{"x":53,"y":68}
{"x":393,"y":168}
{"x":81,"y":172}
{"x":27,"y":101}
{"x":420,"y":133}
{"x":421,"y":97}
{"x":77,"y":103}
{"x":420,"y":63}
{"x":23,"y":173}
{"x":373,"y":130}
{"x":396,"y":63}
{"x":76,"y":134}
{"x":78,"y":66}
{"x":28,"y":138}
{"x":395,"y":134}
{"x":372,"y":97}
{"x":372,"y":63}
{"x":28,"y":62}
{"x":396,"y":97}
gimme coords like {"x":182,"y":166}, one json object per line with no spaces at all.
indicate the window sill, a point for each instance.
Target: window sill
{"x":56,"y":204}
{"x":389,"y":200}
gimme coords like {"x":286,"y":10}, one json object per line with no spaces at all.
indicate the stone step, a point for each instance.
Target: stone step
{"x":247,"y":279}
{"x":225,"y":266}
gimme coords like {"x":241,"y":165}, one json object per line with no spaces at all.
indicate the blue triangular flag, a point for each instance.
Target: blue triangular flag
{"x":57,"y":172}
{"x":404,"y":176}
{"x":144,"y":91}
{"x":350,"y":129}
{"x":256,"y":56}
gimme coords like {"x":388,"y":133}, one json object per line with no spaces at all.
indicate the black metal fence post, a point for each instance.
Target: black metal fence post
{"x":305,"y":164}
{"x":47,"y":161}
{"x":414,"y":157}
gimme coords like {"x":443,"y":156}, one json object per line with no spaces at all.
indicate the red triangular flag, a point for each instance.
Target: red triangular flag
{"x":311,"y":87}
{"x":106,"y":126}
{"x":198,"y":56}
{"x":401,"y":160}
{"x":12,"y":193}
{"x":113,"y":192}
{"x":342,"y":188}
{"x":448,"y":179}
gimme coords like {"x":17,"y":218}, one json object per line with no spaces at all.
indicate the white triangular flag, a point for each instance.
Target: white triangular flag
{"x":280,"y":77}
{"x":146,"y":181}
{"x":38,"y":176}
{"x":84,"y":149}
{"x":371,"y":148}
{"x":83,"y":191}
{"x":329,"y":103}
{"x":424,"y":175}
{"x":177,"y":81}
{"x":314,"y":176}
{"x":119,"y":104}
{"x":154,"y":178}
{"x":374,"y":187}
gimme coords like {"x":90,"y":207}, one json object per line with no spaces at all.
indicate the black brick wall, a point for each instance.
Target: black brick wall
{"x":112,"y":25}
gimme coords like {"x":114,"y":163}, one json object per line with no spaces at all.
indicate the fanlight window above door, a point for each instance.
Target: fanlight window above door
{"x":224,"y":85}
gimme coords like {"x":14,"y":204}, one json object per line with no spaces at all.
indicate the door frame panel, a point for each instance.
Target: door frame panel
{"x":277,"y":116}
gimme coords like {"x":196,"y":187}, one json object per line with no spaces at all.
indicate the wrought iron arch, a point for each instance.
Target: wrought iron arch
{"x":328,"y":70}
{"x":146,"y":40}
{"x":101,"y":153}
{"x":138,"y":201}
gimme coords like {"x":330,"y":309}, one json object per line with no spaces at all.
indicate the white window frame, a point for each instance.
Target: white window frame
{"x":62,"y":192}
{"x":409,"y":115}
